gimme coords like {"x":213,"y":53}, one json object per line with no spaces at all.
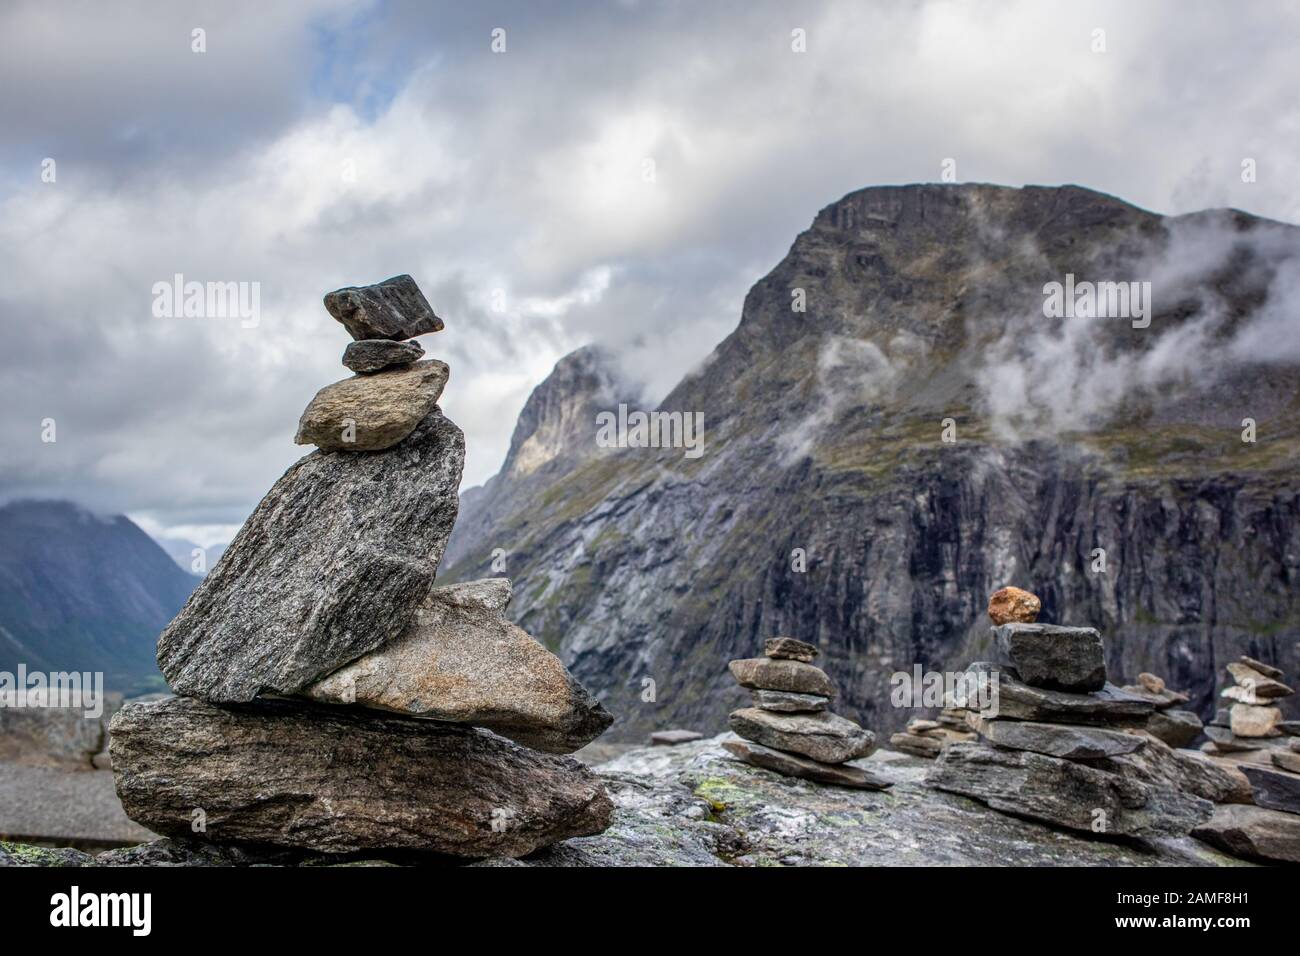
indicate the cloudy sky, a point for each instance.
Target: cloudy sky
{"x":620,"y":172}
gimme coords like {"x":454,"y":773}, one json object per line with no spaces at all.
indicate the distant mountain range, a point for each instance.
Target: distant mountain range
{"x":83,"y":592}
{"x":903,"y":422}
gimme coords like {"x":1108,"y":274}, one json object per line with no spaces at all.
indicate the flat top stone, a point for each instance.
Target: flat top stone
{"x":1053,"y":656}
{"x":765,"y":673}
{"x":331,"y":564}
{"x":789,"y":649}
{"x":1018,"y":700}
{"x":372,"y":412}
{"x":393,"y":309}
{"x":1072,"y":742}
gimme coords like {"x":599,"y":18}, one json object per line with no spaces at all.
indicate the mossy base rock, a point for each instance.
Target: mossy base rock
{"x":824,"y":737}
{"x":331,"y":564}
{"x":393,"y":309}
{"x":1110,"y":705}
{"x":337,"y":780}
{"x":792,"y":765}
{"x":1253,"y":833}
{"x":460,"y":660}
{"x":1055,"y":740}
{"x":372,"y":412}
{"x":795,"y":677}
{"x":374,"y":355}
{"x":1274,"y":789}
{"x":1065,"y":793}
{"x":1057,"y":658}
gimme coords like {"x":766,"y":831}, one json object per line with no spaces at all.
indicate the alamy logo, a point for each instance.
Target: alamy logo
{"x":103,"y":909}
{"x":1098,"y":300}
{"x":651,"y":430}
{"x":975,"y":690}
{"x":208,"y":300}
{"x":72,"y":689}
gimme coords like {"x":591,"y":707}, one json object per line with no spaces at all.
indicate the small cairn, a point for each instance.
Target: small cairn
{"x":1061,"y":746}
{"x":926,"y":738}
{"x":331,"y":699}
{"x":1252,"y":735}
{"x":790,"y":729}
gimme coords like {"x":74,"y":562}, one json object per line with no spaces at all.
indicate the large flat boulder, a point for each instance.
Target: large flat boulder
{"x":823,"y":736}
{"x":1055,"y":740}
{"x":341,"y":780}
{"x":1019,"y":701}
{"x":393,"y":309}
{"x":331,"y":564}
{"x":1054,"y":657}
{"x":1068,"y":794}
{"x":372,"y":412}
{"x":794,"y":677}
{"x":460,"y":660}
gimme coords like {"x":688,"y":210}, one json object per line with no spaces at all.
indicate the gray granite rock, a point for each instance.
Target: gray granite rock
{"x":1177,"y":728}
{"x":1274,"y":789}
{"x":393,"y":309}
{"x":1110,"y":705}
{"x":372,"y":412}
{"x":916,"y":745}
{"x":1227,"y":742}
{"x":341,"y":780}
{"x":792,"y":765}
{"x":374,"y":355}
{"x":1065,"y":793}
{"x":1215,"y":780}
{"x":787,"y":648}
{"x":787,"y":702}
{"x":823,"y":736}
{"x":1253,"y":833}
{"x":796,"y":677}
{"x":1053,"y":657}
{"x":1056,"y":740}
{"x":331,"y":564}
{"x":460,"y":660}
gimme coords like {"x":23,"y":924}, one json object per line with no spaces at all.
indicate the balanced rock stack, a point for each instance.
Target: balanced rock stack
{"x":789,"y":729}
{"x":1252,"y":735}
{"x":926,"y":738}
{"x":1060,"y":744}
{"x":330,"y":698}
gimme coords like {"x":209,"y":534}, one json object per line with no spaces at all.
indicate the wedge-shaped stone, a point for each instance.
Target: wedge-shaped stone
{"x":393,"y":309}
{"x":331,"y":564}
{"x":1057,"y":658}
{"x":796,"y":677}
{"x":460,"y":660}
{"x":1275,"y":789}
{"x":1065,"y":793}
{"x":341,"y":780}
{"x":1253,"y":833}
{"x":372,"y":412}
{"x":826,"y":737}
{"x":1261,"y":685}
{"x":787,"y":648}
{"x":1056,"y":740}
{"x":1019,"y":701}
{"x":791,"y":765}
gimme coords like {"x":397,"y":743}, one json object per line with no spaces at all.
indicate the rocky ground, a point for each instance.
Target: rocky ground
{"x":695,"y":805}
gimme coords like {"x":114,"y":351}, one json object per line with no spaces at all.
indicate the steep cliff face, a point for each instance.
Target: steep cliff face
{"x":829,"y":506}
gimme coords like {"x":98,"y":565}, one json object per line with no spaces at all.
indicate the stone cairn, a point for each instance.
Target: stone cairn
{"x":330,"y":699}
{"x":1069,"y":748}
{"x":1251,"y":735}
{"x":926,"y":738}
{"x":789,"y":729}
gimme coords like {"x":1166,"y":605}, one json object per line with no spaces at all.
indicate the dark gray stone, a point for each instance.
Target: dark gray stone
{"x":792,"y":765}
{"x":342,"y":780}
{"x":787,"y":648}
{"x":1072,"y":795}
{"x":1274,"y":789}
{"x":1215,"y":780}
{"x":331,"y":564}
{"x":1227,"y":742}
{"x":1110,"y":705}
{"x":824,"y":737}
{"x":393,"y":309}
{"x":1056,"y":740}
{"x":787,"y":702}
{"x":374,"y":355}
{"x":671,"y":738}
{"x":1253,"y":833}
{"x":1177,"y":728}
{"x":1053,"y":657}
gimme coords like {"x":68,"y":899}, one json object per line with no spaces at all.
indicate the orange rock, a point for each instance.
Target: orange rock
{"x":1014,"y":606}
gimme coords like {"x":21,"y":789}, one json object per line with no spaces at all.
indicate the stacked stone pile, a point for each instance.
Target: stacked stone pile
{"x":1065,"y":746}
{"x":330,"y":698}
{"x":1252,"y":735}
{"x":926,"y":738}
{"x":790,"y":728}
